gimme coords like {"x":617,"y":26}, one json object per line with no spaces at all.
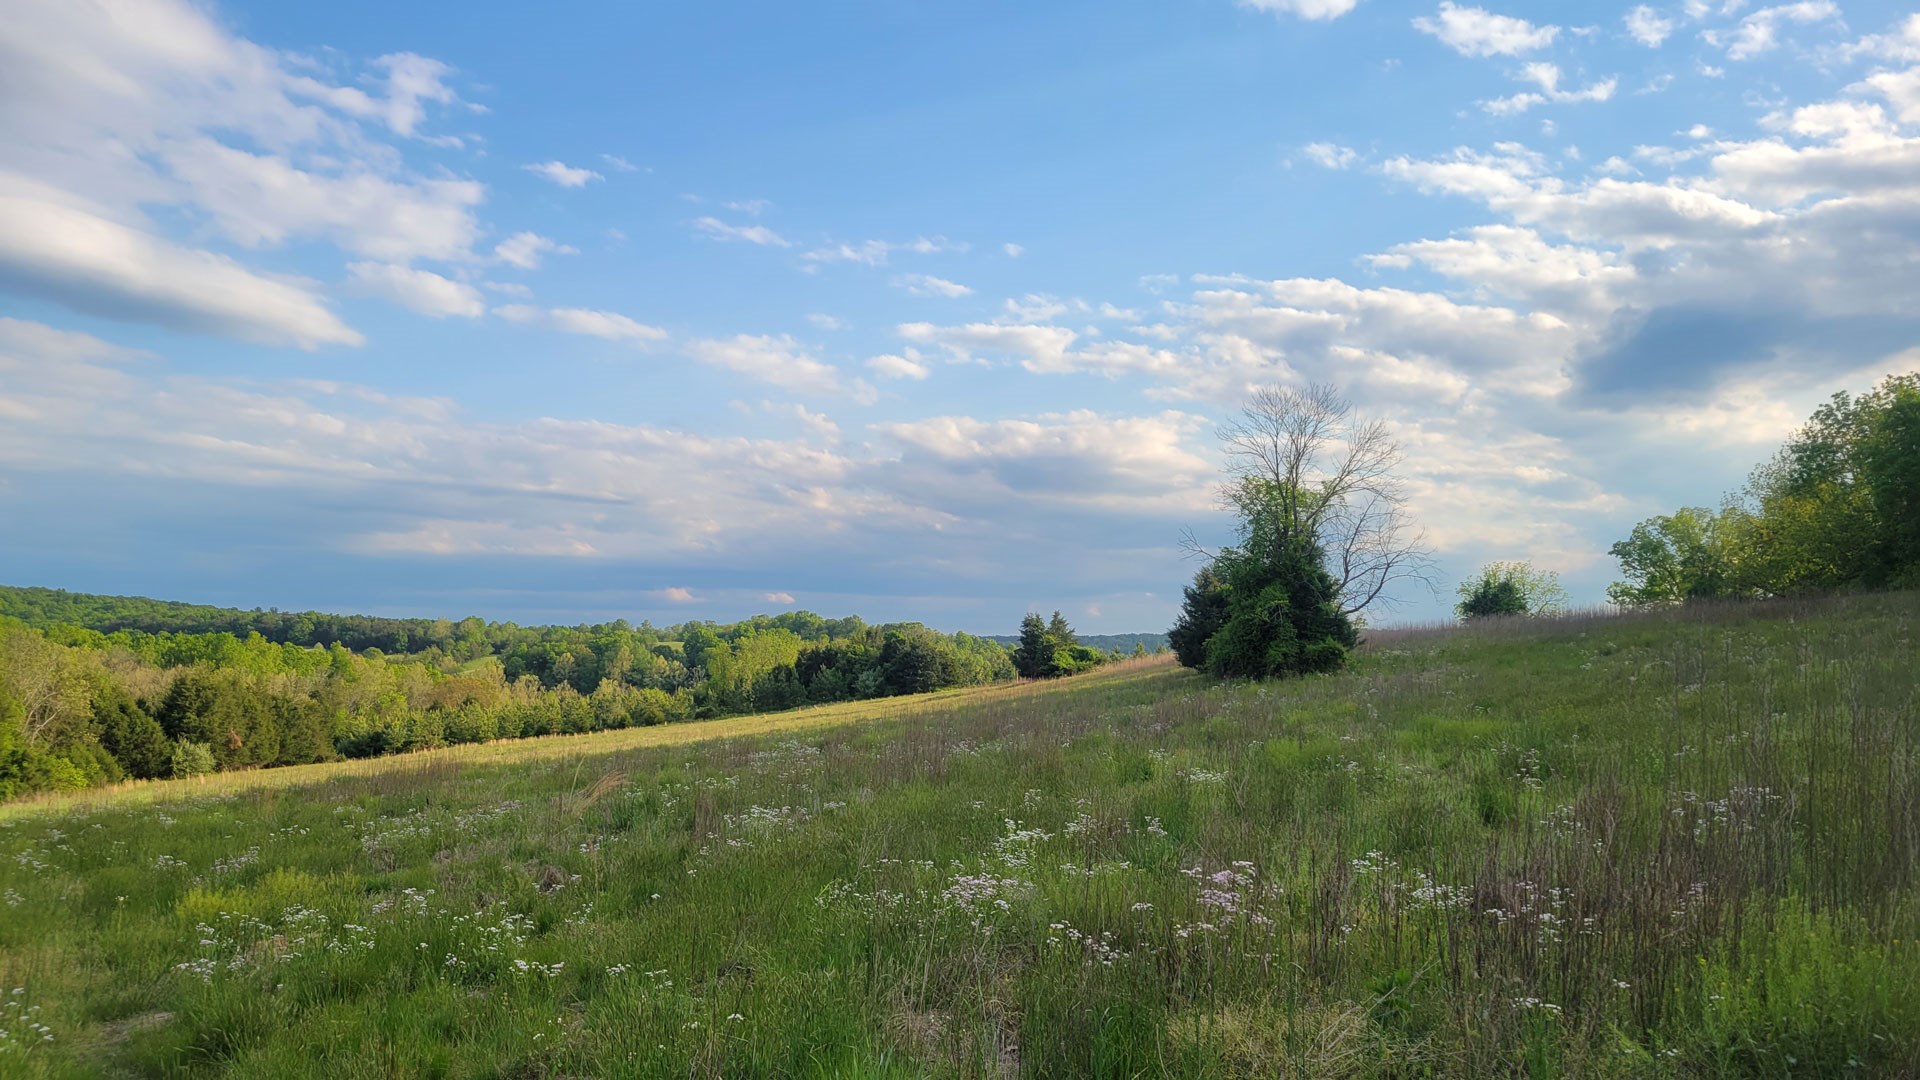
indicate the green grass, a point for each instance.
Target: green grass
{"x":1679,"y":845}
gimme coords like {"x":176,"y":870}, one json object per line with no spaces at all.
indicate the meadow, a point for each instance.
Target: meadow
{"x":1674,"y":844}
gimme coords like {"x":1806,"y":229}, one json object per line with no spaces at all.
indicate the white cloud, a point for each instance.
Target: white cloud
{"x":1903,"y":44}
{"x":1036,"y":346}
{"x":102,"y":267}
{"x":1759,"y":33}
{"x":1305,"y":9}
{"x":1330,"y":155}
{"x":1013,"y":251}
{"x":1648,"y":27}
{"x":42,"y":342}
{"x":418,"y":290}
{"x":263,"y":200}
{"x":410,"y":80}
{"x":826,"y":322}
{"x":752,"y":234}
{"x":818,"y":423}
{"x":877,"y":252}
{"x":678,"y":595}
{"x":929,"y":286}
{"x":892,"y":366}
{"x":587,"y":322}
{"x":782,"y":598}
{"x":525,"y":249}
{"x":756,"y":207}
{"x":1547,"y":77}
{"x":869,"y":253}
{"x":153,"y":120}
{"x":618,"y":163}
{"x":780,"y":361}
{"x":1475,"y":31}
{"x":1136,"y":462}
{"x":567,"y":176}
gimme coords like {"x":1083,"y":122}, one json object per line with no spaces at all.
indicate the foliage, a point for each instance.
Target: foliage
{"x":1202,"y":613}
{"x":1837,"y":507}
{"x":1328,"y":479}
{"x":1533,"y":849}
{"x":1511,"y":589}
{"x":80,"y":707}
{"x":193,"y":759}
{"x":1273,"y":608}
{"x":1049,"y":649}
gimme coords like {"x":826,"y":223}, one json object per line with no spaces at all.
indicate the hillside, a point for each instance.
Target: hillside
{"x":1677,"y":844}
{"x":1124,"y":643}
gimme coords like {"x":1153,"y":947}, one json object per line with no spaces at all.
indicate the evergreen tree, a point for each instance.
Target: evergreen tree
{"x":1033,"y":657}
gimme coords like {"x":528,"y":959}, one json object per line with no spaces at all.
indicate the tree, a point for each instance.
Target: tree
{"x":1202,"y":614}
{"x":1672,"y":559}
{"x":1063,"y":634}
{"x":1323,"y":534}
{"x":1283,"y":609}
{"x":1033,"y":657}
{"x":134,"y":738}
{"x":1511,"y":589}
{"x":1330,"y":477}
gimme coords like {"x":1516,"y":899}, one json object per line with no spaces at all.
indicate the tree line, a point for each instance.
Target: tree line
{"x":79,"y":706}
{"x":1838,"y":507}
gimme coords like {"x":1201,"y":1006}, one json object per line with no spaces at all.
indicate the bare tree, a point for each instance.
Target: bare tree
{"x":1333,"y":475}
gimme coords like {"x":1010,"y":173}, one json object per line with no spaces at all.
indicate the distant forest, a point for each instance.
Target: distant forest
{"x":1124,"y":644}
{"x":95,"y":689}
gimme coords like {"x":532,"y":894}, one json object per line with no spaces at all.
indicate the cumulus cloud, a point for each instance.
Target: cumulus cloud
{"x":559,"y":172}
{"x":417,"y":290}
{"x":1648,"y":27}
{"x":781,"y":598}
{"x":1475,"y":31}
{"x":608,"y":325}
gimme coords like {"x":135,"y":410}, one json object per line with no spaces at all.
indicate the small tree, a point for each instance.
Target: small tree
{"x":192,"y":759}
{"x":1323,"y":536}
{"x":1511,"y":589}
{"x":1033,"y":657}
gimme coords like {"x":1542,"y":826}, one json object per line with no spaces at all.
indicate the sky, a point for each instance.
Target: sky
{"x":918,"y":311}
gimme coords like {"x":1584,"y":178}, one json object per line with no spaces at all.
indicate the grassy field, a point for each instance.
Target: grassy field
{"x":1674,"y":845}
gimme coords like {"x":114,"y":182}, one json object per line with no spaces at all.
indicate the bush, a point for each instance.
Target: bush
{"x":192,"y":759}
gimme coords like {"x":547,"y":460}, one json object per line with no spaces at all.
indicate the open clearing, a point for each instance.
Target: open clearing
{"x":1681,"y":844}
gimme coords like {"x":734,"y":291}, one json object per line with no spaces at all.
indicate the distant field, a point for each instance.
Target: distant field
{"x":1672,"y":845}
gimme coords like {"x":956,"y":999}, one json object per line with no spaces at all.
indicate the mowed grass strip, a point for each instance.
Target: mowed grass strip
{"x":1677,"y":845}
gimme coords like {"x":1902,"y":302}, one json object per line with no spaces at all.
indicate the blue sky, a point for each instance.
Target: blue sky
{"x":917,"y":311}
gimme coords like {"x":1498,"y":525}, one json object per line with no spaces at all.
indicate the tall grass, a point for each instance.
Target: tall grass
{"x":1679,"y":845}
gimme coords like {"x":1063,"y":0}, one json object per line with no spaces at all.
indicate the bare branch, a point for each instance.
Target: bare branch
{"x":1335,"y":479}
